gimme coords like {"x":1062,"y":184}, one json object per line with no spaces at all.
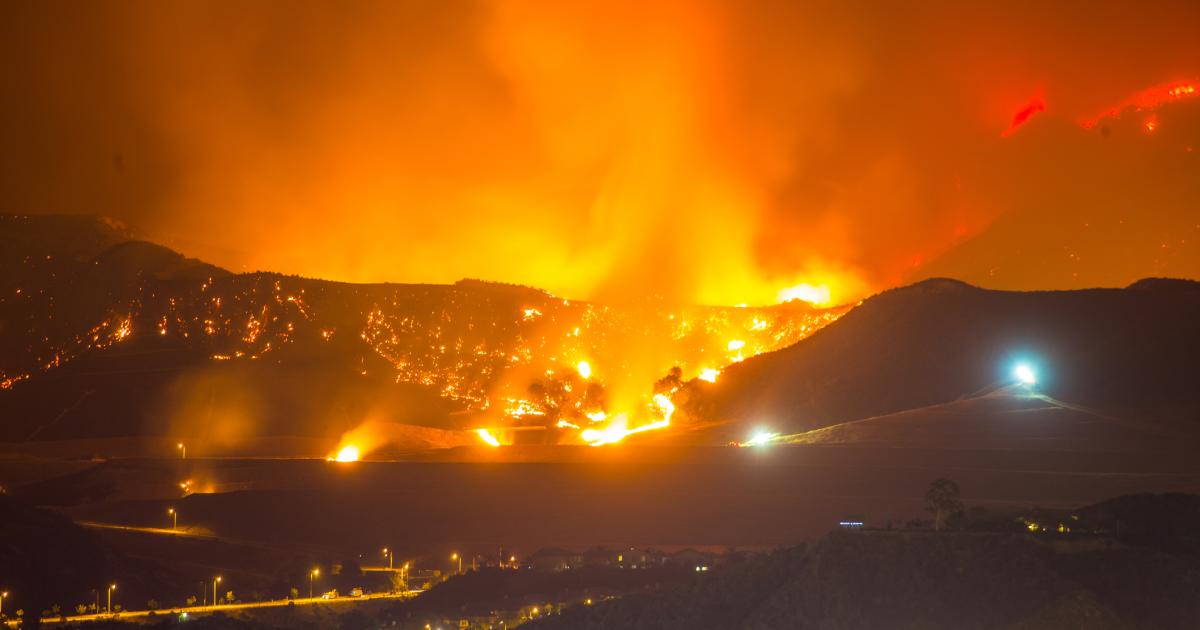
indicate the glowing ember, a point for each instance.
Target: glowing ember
{"x":347,"y":454}
{"x":487,"y":437}
{"x":813,"y":294}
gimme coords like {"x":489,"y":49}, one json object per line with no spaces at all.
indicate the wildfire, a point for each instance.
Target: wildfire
{"x":487,"y":437}
{"x":348,"y":453}
{"x":736,"y":346}
{"x":543,"y":373}
{"x":617,"y":431}
{"x":1147,"y":99}
{"x":816,"y":295}
{"x":664,"y":405}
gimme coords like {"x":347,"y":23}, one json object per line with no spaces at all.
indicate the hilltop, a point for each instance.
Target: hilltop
{"x":1130,"y":352}
{"x":105,"y":336}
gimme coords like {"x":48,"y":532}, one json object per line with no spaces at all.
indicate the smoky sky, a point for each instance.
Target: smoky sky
{"x":705,"y":151}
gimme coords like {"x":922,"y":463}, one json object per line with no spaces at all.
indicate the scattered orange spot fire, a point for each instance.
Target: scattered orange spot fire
{"x":816,"y":295}
{"x":487,"y":437}
{"x":348,"y":453}
{"x":1147,"y":99}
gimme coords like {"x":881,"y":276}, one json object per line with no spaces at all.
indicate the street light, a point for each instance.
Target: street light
{"x":455,"y":556}
{"x":387,"y":553}
{"x":182,"y":450}
{"x":174,"y":517}
{"x":2,"y":596}
{"x":216,"y":581}
{"x":111,"y":588}
{"x":404,"y":576}
{"x":311,"y":576}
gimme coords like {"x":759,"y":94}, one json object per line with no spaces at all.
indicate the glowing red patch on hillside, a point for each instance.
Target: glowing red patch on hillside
{"x":1034,"y":106}
{"x":1149,"y":98}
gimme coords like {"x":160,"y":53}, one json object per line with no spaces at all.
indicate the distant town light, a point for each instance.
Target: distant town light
{"x":1024,"y":374}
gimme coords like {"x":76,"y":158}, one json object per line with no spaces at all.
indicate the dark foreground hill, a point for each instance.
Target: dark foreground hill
{"x":1132,"y":351}
{"x":903,"y":580}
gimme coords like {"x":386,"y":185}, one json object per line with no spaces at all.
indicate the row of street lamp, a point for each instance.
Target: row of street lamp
{"x":312,"y":575}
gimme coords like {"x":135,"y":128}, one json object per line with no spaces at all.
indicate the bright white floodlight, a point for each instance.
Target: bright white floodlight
{"x":1024,"y":374}
{"x":761,"y":438}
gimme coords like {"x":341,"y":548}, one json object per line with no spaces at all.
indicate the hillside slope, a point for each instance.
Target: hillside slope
{"x":102,"y":336}
{"x":941,"y":340}
{"x":1011,"y":418}
{"x":911,"y":580}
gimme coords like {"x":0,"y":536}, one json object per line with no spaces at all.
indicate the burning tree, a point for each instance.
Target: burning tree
{"x":567,"y":397}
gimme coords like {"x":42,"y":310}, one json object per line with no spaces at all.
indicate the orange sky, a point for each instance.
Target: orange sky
{"x":702,"y":151}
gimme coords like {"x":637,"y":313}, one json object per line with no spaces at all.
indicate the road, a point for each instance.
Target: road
{"x":164,"y":531}
{"x":195,"y":610}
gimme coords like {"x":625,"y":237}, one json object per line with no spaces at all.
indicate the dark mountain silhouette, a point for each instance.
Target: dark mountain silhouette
{"x":1128,"y":351}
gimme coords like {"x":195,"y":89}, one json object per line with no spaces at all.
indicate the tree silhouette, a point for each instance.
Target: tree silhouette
{"x":942,"y":500}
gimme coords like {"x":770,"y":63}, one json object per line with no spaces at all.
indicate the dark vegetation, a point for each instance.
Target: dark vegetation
{"x":51,"y":566}
{"x":480,"y":593}
{"x":44,"y":556}
{"x":1130,"y":563}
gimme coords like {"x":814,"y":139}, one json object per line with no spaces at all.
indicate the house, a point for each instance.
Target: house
{"x":692,"y":559}
{"x":555,"y":559}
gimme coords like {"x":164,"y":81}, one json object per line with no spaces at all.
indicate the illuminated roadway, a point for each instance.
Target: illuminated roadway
{"x":148,"y":530}
{"x":300,"y":601}
{"x":129,"y":614}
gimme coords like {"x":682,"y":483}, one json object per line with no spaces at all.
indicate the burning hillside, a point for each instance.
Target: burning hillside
{"x":518,"y":364}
